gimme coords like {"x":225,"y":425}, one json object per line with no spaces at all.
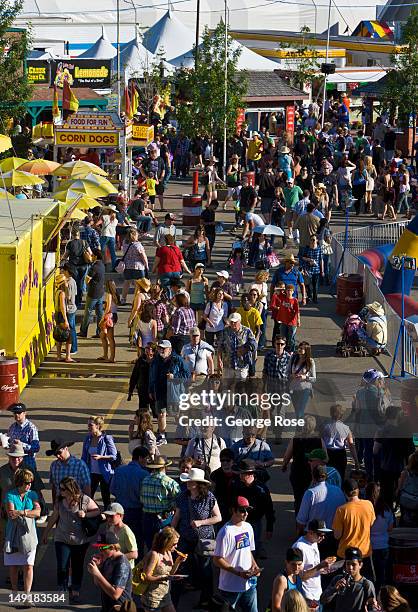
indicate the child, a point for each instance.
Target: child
{"x":285,"y":312}
{"x":237,"y":264}
{"x":108,"y":322}
{"x":151,"y":183}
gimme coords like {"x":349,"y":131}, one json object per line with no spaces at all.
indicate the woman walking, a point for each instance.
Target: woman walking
{"x":71,"y":541}
{"x":301,"y":373}
{"x":199,"y":248}
{"x":99,"y":453}
{"x":146,"y":326}
{"x":144,"y":433}
{"x":215,"y":315}
{"x":108,"y":322}
{"x":135,"y":260}
{"x":61,"y":319}
{"x":142,"y":287}
{"x":336,"y":437}
{"x":379,"y":534}
{"x":370,"y":183}
{"x":22,"y":509}
{"x":160,"y":309}
{"x":198,"y":287}
{"x":360,"y":177}
{"x":169,"y":262}
{"x":182,"y":322}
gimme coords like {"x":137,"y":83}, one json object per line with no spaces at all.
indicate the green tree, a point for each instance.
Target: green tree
{"x":15,"y":90}
{"x":304,"y":61}
{"x":200,"y":90}
{"x":400,"y":95}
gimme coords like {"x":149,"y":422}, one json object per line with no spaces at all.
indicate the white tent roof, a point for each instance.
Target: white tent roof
{"x":134,"y":59}
{"x":170,"y":35}
{"x":101,"y":50}
{"x":248,"y":60}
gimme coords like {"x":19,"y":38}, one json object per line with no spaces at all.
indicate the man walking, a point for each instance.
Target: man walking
{"x":237,"y":349}
{"x":24,"y":431}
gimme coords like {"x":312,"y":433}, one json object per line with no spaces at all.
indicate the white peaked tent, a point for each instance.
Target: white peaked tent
{"x":101,"y":50}
{"x":248,"y":60}
{"x":134,"y":59}
{"x":170,"y":35}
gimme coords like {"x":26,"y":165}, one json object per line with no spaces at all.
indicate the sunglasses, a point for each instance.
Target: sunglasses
{"x":280,"y":343}
{"x":243,"y":510}
{"x":28,"y":482}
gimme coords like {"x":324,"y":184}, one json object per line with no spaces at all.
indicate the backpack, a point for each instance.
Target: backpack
{"x":409,"y":493}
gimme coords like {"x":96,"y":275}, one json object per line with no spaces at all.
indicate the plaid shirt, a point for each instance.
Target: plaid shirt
{"x":183,"y":321}
{"x":316,"y":255}
{"x":76,"y":468}
{"x":158,"y":493}
{"x":275,"y":366}
{"x":91,"y":236}
{"x":27,"y":433}
{"x":231,"y":341}
{"x":160,"y":313}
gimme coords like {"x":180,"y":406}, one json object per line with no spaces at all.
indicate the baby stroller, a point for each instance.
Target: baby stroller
{"x":350,"y":343}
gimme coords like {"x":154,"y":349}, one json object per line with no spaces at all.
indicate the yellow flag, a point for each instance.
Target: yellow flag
{"x":134,"y":99}
{"x":55,"y":109}
{"x":69,"y":101}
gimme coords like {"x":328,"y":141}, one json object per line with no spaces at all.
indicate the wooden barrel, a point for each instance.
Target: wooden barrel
{"x":9,"y":385}
{"x":349,"y":294}
{"x":192,"y":208}
{"x":403,"y":546}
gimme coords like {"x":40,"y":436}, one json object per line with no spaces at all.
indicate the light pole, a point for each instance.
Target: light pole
{"x":326,"y":62}
{"x":118,"y":53}
{"x":196,"y":51}
{"x":225,"y":89}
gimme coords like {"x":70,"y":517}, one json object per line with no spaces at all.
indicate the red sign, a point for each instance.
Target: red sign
{"x":290,"y":118}
{"x":353,"y":85}
{"x":405,"y":573}
{"x":240,"y":118}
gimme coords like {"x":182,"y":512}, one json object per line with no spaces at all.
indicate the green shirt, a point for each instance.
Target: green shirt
{"x":292,"y":195}
{"x":127,"y":541}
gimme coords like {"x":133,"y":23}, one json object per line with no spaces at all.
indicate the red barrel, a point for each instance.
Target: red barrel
{"x":349,"y":294}
{"x":403,"y":545}
{"x":9,"y":385}
{"x":192,"y":208}
{"x":251,"y":178}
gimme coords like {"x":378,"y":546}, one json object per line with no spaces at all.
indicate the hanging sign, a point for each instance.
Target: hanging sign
{"x":37,"y":71}
{"x":94,"y":74}
{"x":290,"y":118}
{"x":83,"y":138}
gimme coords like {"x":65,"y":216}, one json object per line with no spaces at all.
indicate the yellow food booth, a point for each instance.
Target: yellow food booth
{"x":28,"y":258}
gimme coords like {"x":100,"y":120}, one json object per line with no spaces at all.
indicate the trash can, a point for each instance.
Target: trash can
{"x":9,"y":385}
{"x":251,"y":178}
{"x":192,"y":208}
{"x":403,"y":546}
{"x":349,"y":294}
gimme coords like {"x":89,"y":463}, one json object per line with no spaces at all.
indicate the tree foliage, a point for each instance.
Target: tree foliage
{"x":150,"y":83}
{"x":15,"y":90}
{"x":200,"y":90}
{"x":304,"y":60}
{"x":400,"y":96}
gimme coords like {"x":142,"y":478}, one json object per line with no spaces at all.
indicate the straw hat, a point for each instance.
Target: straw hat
{"x":158,"y":463}
{"x":289,"y":257}
{"x":144,"y":284}
{"x":60,"y":279}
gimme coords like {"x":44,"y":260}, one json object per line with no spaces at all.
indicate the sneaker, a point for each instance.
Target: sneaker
{"x":73,"y":352}
{"x":161,"y":439}
{"x":80,"y":335}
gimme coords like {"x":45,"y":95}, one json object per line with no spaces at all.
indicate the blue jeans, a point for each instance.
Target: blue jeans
{"x":79,"y":277}
{"x":289,"y":332}
{"x":64,"y":554}
{"x":245,"y":600}
{"x":144,"y":223}
{"x":109,"y":242}
{"x":133,"y":518}
{"x":300,"y":399}
{"x":403,"y":200}
{"x":92,"y":304}
{"x":364,"y":447}
{"x":73,"y":332}
{"x":151,"y":525}
{"x":167,"y":277}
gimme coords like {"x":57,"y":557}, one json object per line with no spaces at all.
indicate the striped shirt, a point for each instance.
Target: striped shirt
{"x":27,"y":433}
{"x":76,"y":468}
{"x":160,"y":313}
{"x":316,"y":256}
{"x":183,"y":321}
{"x":158,"y":493}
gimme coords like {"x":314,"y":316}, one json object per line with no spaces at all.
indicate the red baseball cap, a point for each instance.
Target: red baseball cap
{"x":242,"y":502}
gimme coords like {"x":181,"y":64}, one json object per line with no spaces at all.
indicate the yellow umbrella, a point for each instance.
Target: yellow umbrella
{"x":89,"y":187}
{"x":5,"y":195}
{"x":99,"y":181}
{"x":11,"y":163}
{"x":78,"y":214}
{"x":68,"y":196}
{"x":15,"y":178}
{"x":78,"y":169}
{"x":40,"y":167}
{"x":5,"y":143}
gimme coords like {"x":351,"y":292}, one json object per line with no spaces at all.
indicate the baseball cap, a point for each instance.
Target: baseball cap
{"x":242,"y":502}
{"x":317,"y":526}
{"x":199,"y":265}
{"x":317,"y":453}
{"x":170,"y":216}
{"x":113,"y":509}
{"x":106,"y":539}
{"x":371,"y":375}
{"x":294,"y":554}
{"x":195,"y":331}
{"x":235,"y":317}
{"x":17,"y":408}
{"x":223,"y":273}
{"x":164,"y":344}
{"x":352,"y":553}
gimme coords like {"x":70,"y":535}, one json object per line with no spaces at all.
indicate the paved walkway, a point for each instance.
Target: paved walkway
{"x":62,"y":396}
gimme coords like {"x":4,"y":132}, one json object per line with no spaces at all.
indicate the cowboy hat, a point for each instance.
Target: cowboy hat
{"x":289,"y":257}
{"x":158,"y":463}
{"x":144,"y":283}
{"x":195,"y":475}
{"x":246,"y":466}
{"x":283,"y":150}
{"x":57,"y":445}
{"x":320,"y":186}
{"x":16,"y":450}
{"x":376,"y":307}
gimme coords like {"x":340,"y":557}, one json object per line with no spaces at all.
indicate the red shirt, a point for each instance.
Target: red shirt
{"x":170,"y":258}
{"x":285,"y":310}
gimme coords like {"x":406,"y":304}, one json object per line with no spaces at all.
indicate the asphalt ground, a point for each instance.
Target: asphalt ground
{"x":61,"y":397}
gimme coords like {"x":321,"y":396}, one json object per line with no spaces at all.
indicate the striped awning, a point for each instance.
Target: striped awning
{"x":373,"y":29}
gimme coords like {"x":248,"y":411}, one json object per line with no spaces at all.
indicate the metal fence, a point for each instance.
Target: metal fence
{"x":366,"y":238}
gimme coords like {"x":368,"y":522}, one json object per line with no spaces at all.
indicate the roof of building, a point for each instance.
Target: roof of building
{"x":243,"y":34}
{"x":396,"y":10}
{"x":22,"y":212}
{"x":102,"y":49}
{"x":41,"y":93}
{"x":264,"y":85}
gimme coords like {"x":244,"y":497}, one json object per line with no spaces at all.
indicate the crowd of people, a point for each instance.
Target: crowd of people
{"x":162,"y":532}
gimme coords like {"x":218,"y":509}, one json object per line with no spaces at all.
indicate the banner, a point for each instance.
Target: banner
{"x":290,"y":118}
{"x":38,"y":71}
{"x":94,"y":74}
{"x":87,"y":139}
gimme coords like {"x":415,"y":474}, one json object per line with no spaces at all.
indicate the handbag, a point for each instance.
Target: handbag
{"x":87,"y":256}
{"x":139,"y":582}
{"x":120,"y":263}
{"x":60,"y":334}
{"x":90,"y":524}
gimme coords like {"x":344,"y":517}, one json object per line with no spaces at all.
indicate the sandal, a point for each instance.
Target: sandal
{"x":101,"y":358}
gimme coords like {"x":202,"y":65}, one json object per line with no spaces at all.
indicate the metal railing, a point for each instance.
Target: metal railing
{"x":363,"y":239}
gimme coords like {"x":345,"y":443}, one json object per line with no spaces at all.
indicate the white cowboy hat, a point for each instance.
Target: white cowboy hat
{"x":195,"y":475}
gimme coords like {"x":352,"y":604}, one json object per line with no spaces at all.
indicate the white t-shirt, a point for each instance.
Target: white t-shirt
{"x":254,"y":218}
{"x":235,"y":543}
{"x":207,"y":450}
{"x":216,"y":316}
{"x":199,"y":351}
{"x":109,"y":227}
{"x":311,"y":588}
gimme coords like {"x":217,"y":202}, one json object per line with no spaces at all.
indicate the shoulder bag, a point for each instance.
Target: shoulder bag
{"x":120,"y":264}
{"x":87,"y":256}
{"x":90,"y":524}
{"x":139,"y":582}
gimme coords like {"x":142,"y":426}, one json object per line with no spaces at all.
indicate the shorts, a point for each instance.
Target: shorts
{"x":129,"y":274}
{"x":152,"y":199}
{"x":159,"y":188}
{"x":196,"y":307}
{"x":210,"y":188}
{"x":266,"y":205}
